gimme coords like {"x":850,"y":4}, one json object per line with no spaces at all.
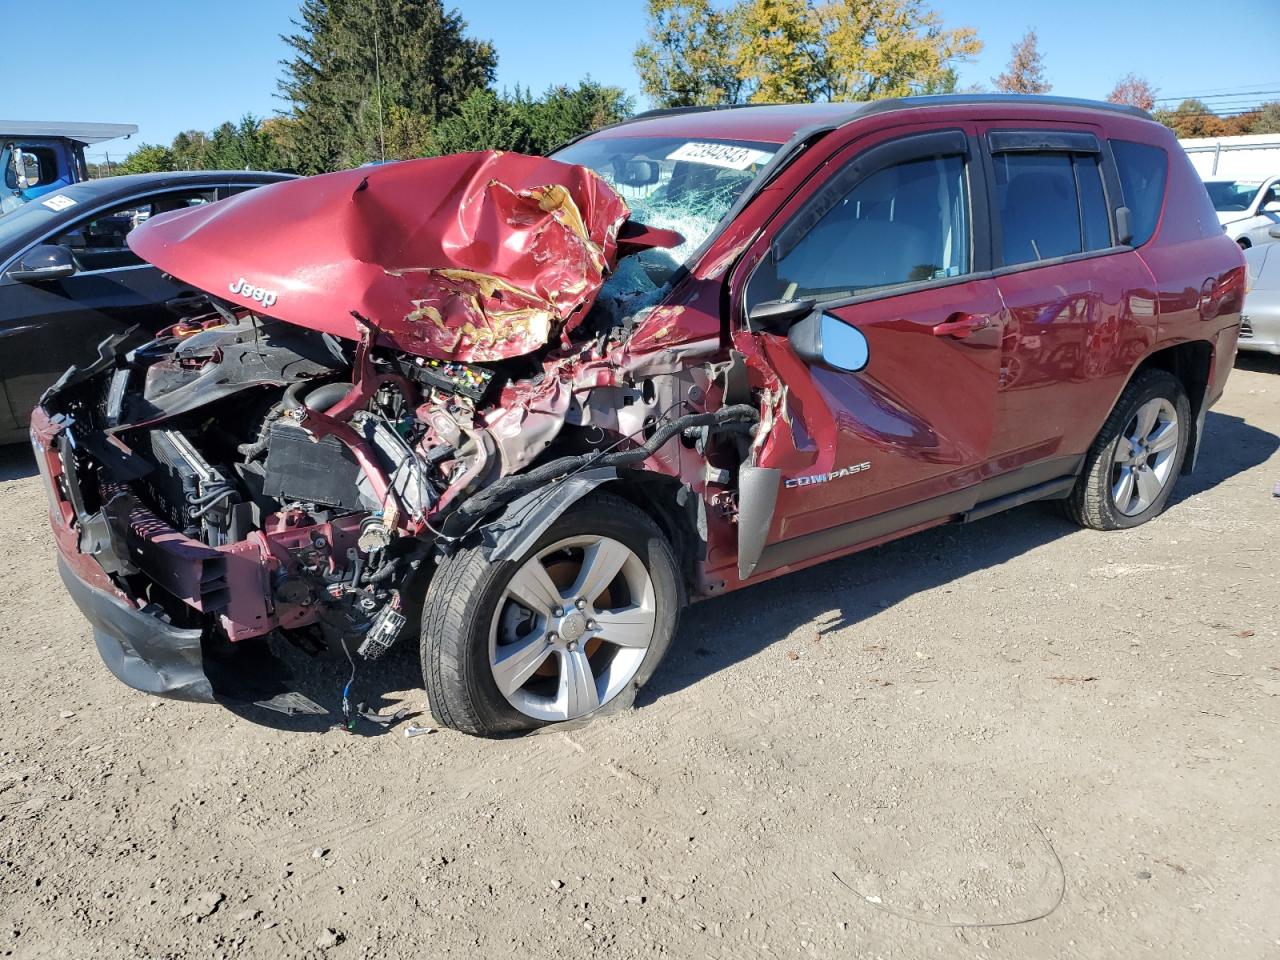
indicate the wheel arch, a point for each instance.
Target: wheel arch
{"x":672,"y":505}
{"x":1191,"y":361}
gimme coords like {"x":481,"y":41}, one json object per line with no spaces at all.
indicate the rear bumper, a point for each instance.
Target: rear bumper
{"x":138,"y":647}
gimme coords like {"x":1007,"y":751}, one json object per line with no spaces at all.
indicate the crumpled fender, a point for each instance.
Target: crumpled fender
{"x":513,"y":532}
{"x":472,"y":257}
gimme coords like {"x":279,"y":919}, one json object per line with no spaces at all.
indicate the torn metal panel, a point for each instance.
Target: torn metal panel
{"x":472,"y":257}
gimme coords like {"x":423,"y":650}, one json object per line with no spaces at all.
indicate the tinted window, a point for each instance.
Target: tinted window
{"x":1093,"y":203}
{"x":1050,"y":205}
{"x":1039,"y":210}
{"x":99,"y":244}
{"x":1143,"y":170}
{"x":903,"y":224}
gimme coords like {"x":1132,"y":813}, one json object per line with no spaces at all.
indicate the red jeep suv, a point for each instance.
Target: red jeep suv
{"x":524,"y":408}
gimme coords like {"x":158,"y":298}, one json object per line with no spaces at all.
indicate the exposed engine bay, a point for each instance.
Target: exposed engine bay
{"x":247,"y":474}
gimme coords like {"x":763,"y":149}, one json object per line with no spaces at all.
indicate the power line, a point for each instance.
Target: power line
{"x":1246,"y":95}
{"x":1213,"y":91}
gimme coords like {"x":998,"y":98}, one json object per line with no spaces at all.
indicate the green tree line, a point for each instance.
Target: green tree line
{"x":369,"y":80}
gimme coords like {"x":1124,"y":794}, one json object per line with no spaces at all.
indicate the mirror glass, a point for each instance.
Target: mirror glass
{"x":843,"y":347}
{"x":637,"y":173}
{"x":30,"y":167}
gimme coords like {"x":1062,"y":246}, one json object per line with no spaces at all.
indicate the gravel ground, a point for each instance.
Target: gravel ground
{"x":1012,"y":739}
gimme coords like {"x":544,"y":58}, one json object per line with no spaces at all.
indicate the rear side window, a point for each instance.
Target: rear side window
{"x":1096,"y":221}
{"x":1050,"y":204}
{"x":1143,"y":170}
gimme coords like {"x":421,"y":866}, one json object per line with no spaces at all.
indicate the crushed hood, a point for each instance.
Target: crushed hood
{"x":474,"y":257}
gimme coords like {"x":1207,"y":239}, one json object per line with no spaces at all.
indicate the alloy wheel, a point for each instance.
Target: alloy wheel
{"x":1144,"y":457}
{"x":572,"y":628}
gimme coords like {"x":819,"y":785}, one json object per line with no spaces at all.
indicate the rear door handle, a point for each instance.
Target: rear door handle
{"x":962,"y":325}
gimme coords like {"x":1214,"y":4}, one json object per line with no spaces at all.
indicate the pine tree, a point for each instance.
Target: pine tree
{"x":415,"y":51}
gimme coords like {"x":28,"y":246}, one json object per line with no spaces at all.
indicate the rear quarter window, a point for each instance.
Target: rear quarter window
{"x":1144,"y":172}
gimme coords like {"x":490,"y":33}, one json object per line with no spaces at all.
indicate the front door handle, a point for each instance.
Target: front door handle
{"x":961,"y":325}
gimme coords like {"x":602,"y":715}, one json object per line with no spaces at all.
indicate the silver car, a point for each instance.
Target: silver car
{"x":1260,"y":322}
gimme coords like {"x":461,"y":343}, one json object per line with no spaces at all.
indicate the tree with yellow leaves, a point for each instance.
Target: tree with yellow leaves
{"x":780,"y":51}
{"x":688,"y":60}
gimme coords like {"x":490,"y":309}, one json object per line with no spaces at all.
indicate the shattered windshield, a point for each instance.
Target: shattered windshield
{"x":672,"y":183}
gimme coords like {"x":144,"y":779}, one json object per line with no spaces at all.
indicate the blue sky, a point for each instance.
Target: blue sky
{"x":170,"y":65}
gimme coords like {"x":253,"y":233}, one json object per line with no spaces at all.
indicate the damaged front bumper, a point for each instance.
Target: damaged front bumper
{"x":136,"y":638}
{"x":138,"y":647}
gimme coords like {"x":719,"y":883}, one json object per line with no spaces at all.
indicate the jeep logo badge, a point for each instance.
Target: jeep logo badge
{"x":246,"y":289}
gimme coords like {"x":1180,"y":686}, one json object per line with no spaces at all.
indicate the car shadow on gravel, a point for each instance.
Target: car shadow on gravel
{"x":1258,"y":362}
{"x":1231,"y":446}
{"x":17,"y":462}
{"x":720,"y":632}
{"x":279,"y":667}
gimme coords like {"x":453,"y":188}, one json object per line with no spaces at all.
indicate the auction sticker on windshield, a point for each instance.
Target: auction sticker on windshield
{"x":58,"y":202}
{"x":719,"y":155}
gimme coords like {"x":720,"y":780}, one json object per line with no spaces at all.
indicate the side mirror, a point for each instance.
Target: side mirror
{"x":638,"y":173}
{"x":26,"y":168}
{"x":822,"y":338}
{"x":776,"y":315}
{"x":1274,"y":233}
{"x":47,"y":261}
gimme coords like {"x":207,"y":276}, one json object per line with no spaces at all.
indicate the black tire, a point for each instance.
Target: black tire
{"x":461,"y":603}
{"x":1091,"y":503}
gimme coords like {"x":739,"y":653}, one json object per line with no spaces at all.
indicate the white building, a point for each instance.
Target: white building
{"x":1253,"y":157}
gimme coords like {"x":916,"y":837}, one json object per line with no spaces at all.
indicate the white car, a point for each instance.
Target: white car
{"x":1247,"y":209}
{"x":1260,"y":322}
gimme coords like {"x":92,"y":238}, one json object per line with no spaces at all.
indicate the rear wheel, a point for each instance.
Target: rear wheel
{"x":1130,"y":470}
{"x":583,"y":617}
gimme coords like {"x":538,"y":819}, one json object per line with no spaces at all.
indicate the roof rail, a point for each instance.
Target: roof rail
{"x":859,"y":108}
{"x":675,"y":111}
{"x":970,"y":99}
{"x":864,"y":108}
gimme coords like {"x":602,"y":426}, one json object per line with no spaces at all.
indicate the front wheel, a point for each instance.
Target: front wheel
{"x":583,"y":617}
{"x":1133,"y":464}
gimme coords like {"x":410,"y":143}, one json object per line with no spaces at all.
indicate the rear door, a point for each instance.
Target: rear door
{"x":890,"y":238}
{"x":1080,"y":308}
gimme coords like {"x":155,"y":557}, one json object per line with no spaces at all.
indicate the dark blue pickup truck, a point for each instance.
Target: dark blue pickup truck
{"x":39,"y":157}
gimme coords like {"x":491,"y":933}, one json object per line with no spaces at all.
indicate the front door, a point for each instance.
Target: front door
{"x":890,"y":241}
{"x":48,"y":325}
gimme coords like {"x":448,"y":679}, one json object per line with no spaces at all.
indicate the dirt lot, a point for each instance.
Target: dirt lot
{"x":1013,"y":739}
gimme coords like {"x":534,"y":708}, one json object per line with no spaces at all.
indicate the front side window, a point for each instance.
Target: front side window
{"x":38,"y":167}
{"x":906,"y":223}
{"x":1050,"y":204}
{"x":99,"y":244}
